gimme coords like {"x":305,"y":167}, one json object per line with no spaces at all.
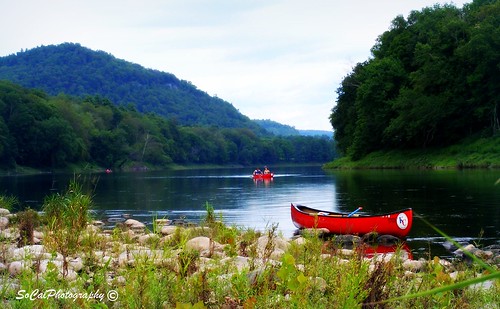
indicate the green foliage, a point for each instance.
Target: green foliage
{"x":8,"y":202}
{"x":471,"y":152}
{"x":433,"y":80}
{"x":308,"y":275}
{"x":27,"y":221}
{"x":291,"y":278}
{"x":276,"y":127}
{"x":78,"y":71}
{"x":49,"y":132}
{"x":67,"y":216}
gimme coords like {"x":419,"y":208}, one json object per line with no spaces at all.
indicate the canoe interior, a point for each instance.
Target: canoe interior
{"x":312,"y":211}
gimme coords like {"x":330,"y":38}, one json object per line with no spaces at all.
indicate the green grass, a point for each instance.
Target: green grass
{"x":307,"y":275}
{"x":470,"y":153}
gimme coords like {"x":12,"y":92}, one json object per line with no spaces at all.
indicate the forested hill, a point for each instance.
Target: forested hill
{"x":75,"y":70}
{"x":433,"y":80}
{"x":46,"y":132}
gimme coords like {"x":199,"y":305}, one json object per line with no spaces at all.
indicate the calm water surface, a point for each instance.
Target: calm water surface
{"x":464,"y":204}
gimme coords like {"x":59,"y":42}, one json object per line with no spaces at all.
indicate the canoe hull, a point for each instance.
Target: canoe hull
{"x":263,"y":176}
{"x":397,"y":223}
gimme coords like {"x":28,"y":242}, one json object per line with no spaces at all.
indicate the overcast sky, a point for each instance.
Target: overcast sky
{"x":272,"y":59}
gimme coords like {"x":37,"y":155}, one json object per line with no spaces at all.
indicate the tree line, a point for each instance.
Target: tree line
{"x":79,"y":71}
{"x":42,"y":131}
{"x":432,"y":80}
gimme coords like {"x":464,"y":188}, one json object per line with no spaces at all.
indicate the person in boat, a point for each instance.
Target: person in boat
{"x":257,"y":172}
{"x":266,"y":170}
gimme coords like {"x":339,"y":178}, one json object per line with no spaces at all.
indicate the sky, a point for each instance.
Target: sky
{"x":271,"y":59}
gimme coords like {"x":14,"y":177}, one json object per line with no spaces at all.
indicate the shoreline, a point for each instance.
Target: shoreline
{"x":481,"y":153}
{"x":226,"y":259}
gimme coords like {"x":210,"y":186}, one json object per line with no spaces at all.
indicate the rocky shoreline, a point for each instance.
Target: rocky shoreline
{"x":131,"y":242}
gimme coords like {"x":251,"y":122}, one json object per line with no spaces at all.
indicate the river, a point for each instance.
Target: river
{"x":465,"y":204}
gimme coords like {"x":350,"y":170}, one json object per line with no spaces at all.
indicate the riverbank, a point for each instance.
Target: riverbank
{"x":476,"y":153}
{"x":88,"y":168}
{"x":212,"y":265}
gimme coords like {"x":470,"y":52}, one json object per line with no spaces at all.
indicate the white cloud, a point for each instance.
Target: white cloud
{"x":275,"y":59}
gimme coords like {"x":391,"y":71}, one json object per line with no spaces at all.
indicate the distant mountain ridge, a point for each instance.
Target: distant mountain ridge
{"x":285,"y":130}
{"x":78,"y":71}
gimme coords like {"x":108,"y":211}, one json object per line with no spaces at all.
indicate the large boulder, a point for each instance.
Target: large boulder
{"x":31,"y":252}
{"x":134,"y":224}
{"x":203,"y":244}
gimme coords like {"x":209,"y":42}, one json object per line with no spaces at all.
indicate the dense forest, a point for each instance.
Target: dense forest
{"x":433,"y":79}
{"x":78,"y":71}
{"x":42,"y":131}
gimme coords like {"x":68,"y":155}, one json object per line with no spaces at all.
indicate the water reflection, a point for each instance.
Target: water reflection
{"x":464,"y":204}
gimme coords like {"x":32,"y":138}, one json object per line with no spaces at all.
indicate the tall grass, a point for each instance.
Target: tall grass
{"x":309,"y":274}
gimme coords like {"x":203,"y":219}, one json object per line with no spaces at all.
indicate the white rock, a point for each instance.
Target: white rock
{"x":162,"y":222}
{"x":4,"y":222}
{"x":49,"y":264}
{"x":445,"y":263}
{"x":384,"y":258}
{"x":202,"y":243}
{"x":55,"y":265}
{"x":76,"y":264}
{"x":121,"y":280}
{"x":7,"y":285}
{"x":277,"y":243}
{"x":300,"y":241}
{"x":98,"y":223}
{"x":454,"y":275}
{"x":143,"y":239}
{"x":470,"y":248}
{"x":134,"y":224}
{"x":240,"y":262}
{"x":30,"y":252}
{"x":8,"y":234}
{"x":319,"y":283}
{"x":277,"y":254}
{"x":169,"y":229}
{"x":16,"y":267}
{"x":346,"y":252}
{"x":4,"y":212}
{"x":409,"y":274}
{"x":92,"y":228}
{"x":38,"y":234}
{"x":412,"y":265}
{"x":128,"y":234}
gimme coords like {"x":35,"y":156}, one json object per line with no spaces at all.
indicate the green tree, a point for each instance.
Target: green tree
{"x":432,"y":81}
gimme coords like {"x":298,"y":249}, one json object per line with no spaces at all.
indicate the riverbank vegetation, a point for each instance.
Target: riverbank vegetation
{"x":432,"y":82}
{"x":470,"y":153}
{"x":66,"y":260}
{"x":44,"y":132}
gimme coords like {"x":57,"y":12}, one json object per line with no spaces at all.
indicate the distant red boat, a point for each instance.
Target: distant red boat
{"x":263,"y":176}
{"x":396,"y":223}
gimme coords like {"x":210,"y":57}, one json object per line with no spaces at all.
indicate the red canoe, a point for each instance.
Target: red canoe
{"x":263,"y":176}
{"x":396,"y":223}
